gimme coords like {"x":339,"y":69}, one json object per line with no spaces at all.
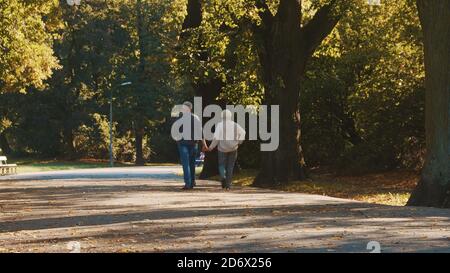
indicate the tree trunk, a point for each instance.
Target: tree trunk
{"x":207,"y":89}
{"x":284,"y":50}
{"x":139,"y":124}
{"x":69,"y":141}
{"x":139,"y":136}
{"x":209,"y":92}
{"x":282,"y":68}
{"x":434,"y":186}
{"x":286,"y":163}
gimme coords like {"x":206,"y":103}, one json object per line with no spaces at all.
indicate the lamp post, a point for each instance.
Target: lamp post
{"x":111,"y":157}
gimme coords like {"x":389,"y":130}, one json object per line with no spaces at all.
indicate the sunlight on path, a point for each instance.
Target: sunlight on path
{"x":109,"y":210}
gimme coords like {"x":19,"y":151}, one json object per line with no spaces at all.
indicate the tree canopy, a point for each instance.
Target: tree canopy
{"x":26,"y":54}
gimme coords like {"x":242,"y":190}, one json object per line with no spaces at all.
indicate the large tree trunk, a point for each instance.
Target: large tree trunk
{"x":284,"y":50}
{"x":287,"y":162}
{"x":209,"y":92}
{"x":207,"y":89}
{"x":283,"y":66}
{"x":434,"y":186}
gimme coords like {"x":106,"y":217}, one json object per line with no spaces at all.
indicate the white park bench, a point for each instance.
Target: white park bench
{"x":6,"y":168}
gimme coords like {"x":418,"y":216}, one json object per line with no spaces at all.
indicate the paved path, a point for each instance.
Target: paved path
{"x":143,"y":209}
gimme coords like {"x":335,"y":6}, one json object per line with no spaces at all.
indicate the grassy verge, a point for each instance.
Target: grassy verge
{"x":33,"y":165}
{"x":389,"y":188}
{"x":30,"y":166}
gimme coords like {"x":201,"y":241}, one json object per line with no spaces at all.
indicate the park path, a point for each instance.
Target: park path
{"x":144,"y":210}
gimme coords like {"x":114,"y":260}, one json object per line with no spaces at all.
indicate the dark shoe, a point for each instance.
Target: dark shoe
{"x":227,"y":188}
{"x":186,"y":188}
{"x":223,"y":183}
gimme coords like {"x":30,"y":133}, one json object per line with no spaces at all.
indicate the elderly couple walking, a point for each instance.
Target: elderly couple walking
{"x":227,"y":137}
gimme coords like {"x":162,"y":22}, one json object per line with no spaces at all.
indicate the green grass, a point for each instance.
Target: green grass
{"x":45,"y":166}
{"x":27,"y":165}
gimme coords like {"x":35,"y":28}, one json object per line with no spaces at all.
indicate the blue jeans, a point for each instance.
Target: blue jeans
{"x":187,"y":157}
{"x":226,"y":166}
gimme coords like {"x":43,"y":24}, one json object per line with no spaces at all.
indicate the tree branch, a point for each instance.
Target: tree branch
{"x":193,"y":17}
{"x":264,"y":13}
{"x":320,"y":27}
{"x":262,"y":31}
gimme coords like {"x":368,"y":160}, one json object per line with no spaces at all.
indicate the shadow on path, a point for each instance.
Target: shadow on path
{"x":157,"y":214}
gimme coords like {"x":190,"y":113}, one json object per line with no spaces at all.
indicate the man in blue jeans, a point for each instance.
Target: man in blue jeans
{"x":188,"y":144}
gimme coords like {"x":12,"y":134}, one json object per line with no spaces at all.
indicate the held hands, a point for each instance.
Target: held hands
{"x":206,"y":149}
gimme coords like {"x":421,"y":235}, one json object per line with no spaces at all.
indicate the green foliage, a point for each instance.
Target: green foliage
{"x":223,"y":47}
{"x":91,"y":139}
{"x":364,"y":92}
{"x":99,"y":46}
{"x":26,"y":55}
{"x":361,"y":102}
